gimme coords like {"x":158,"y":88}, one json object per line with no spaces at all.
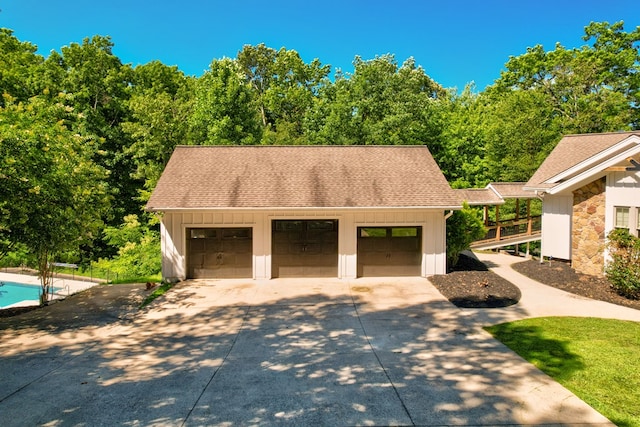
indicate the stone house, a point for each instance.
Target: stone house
{"x":589,"y":184}
{"x":294,"y":211}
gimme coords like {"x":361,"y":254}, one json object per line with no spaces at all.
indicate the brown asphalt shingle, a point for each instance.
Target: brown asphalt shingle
{"x":479,"y":196}
{"x":512,"y":190}
{"x":572,"y":150}
{"x":201,"y":177}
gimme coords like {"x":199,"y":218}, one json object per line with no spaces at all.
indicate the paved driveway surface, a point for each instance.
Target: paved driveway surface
{"x":290,"y":352}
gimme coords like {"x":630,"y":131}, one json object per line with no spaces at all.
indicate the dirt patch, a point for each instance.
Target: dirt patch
{"x":471,"y":285}
{"x":560,"y":275}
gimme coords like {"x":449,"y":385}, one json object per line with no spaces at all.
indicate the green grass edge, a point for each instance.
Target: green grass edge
{"x":158,"y":292}
{"x":556,"y":366}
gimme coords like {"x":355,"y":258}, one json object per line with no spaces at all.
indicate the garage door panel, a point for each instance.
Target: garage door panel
{"x":220,"y":253}
{"x":305,"y":248}
{"x":389,"y":251}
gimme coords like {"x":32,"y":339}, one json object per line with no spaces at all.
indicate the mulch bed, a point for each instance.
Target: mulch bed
{"x":471,"y":285}
{"x":560,"y":275}
{"x":14,"y":311}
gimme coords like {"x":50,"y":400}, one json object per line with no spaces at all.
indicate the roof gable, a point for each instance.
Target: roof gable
{"x":575,"y":154}
{"x":216,"y":177}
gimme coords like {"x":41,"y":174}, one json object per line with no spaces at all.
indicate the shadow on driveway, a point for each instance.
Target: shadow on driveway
{"x":226,"y":353}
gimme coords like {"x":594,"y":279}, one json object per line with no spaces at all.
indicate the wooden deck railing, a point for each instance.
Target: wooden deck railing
{"x":510,"y":229}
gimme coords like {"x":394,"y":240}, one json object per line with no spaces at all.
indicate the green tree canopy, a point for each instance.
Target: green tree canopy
{"x":53,"y":195}
{"x":224,"y":112}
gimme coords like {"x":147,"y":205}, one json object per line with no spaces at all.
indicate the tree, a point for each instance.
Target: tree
{"x":161,"y":104}
{"x":19,"y":66}
{"x":284,"y":87}
{"x":589,"y":89}
{"x":98,"y":86}
{"x":380,"y":104}
{"x":462,"y":152}
{"x":519,"y":132}
{"x":543,"y":95}
{"x":53,"y":194}
{"x":223,"y":113}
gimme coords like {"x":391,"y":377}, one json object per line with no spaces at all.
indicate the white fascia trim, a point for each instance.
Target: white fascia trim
{"x":588,"y":163}
{"x":594,"y":171}
{"x":492,"y":188}
{"x":293,"y":208}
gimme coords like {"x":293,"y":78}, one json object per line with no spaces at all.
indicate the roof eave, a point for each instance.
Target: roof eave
{"x":303,"y":208}
{"x":594,"y":172}
{"x":589,"y":163}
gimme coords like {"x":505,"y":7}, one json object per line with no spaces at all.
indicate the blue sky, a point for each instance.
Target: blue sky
{"x":455,"y":41}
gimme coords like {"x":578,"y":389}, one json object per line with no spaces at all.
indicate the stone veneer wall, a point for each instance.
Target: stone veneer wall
{"x":587,"y":240}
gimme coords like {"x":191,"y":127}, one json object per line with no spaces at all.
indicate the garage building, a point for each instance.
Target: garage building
{"x":262,"y":212}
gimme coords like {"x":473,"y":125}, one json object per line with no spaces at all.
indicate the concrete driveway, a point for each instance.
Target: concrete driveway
{"x":279,"y":352}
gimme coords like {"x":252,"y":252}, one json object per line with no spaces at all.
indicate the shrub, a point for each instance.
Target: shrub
{"x":464,"y":227}
{"x":138,"y":250}
{"x":623,"y":269}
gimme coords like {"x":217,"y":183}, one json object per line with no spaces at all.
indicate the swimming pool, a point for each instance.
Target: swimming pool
{"x":12,"y":293}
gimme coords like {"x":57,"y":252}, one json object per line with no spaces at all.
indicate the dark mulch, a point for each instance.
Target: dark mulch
{"x":14,"y":311}
{"x":560,"y":275}
{"x":471,"y":285}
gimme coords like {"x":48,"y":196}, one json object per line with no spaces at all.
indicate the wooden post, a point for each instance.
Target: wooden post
{"x":529,"y":220}
{"x":498,"y":223}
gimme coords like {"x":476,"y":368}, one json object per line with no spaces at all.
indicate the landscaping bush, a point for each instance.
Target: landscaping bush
{"x":464,"y":227}
{"x":138,"y":250}
{"x":623,"y":269}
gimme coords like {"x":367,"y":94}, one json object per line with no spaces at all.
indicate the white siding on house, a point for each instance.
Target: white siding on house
{"x":556,"y":226}
{"x":623,"y":190}
{"x":174,"y":225}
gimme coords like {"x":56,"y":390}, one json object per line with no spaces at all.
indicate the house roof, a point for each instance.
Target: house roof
{"x":216,"y":177}
{"x":571,"y":151}
{"x":512,"y":190}
{"x":479,"y":196}
{"x":495,"y":193}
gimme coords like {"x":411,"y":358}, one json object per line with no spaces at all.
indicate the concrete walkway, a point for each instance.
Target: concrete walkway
{"x":280,"y":352}
{"x":539,"y":300}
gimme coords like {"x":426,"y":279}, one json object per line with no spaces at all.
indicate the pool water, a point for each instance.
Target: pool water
{"x":11,"y":293}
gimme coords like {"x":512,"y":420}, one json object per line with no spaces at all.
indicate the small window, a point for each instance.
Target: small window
{"x":373,"y":232}
{"x":203,"y":233}
{"x":236,"y":233}
{"x":622,"y":217}
{"x":405,"y":232}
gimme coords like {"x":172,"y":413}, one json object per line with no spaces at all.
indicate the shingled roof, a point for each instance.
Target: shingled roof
{"x":218,"y":177}
{"x":571,"y":151}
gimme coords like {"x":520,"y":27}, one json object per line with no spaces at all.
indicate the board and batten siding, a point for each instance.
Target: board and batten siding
{"x":556,"y":226}
{"x":175,"y":224}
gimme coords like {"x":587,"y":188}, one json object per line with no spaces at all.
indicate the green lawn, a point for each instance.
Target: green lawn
{"x":597,"y":359}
